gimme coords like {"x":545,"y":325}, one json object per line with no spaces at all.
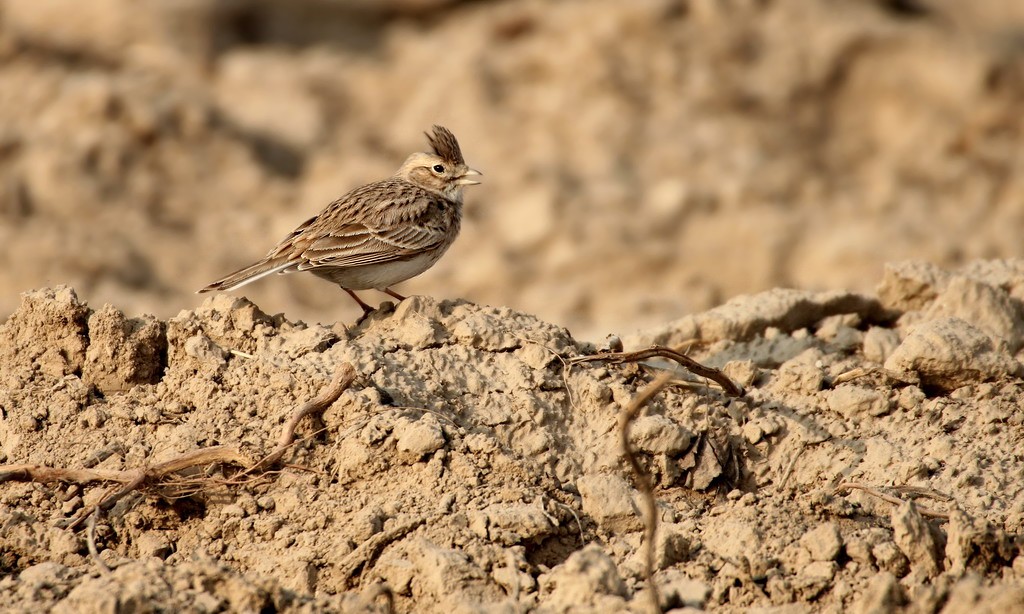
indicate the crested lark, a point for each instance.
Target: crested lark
{"x":380,"y":234}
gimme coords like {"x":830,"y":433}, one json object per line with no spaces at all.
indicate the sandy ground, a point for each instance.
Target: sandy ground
{"x":660,"y":169}
{"x":472,"y":466}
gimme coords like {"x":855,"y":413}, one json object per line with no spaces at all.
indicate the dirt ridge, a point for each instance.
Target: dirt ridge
{"x":472,"y":467}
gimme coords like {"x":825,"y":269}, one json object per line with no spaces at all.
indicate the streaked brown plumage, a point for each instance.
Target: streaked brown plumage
{"x":379,"y":234}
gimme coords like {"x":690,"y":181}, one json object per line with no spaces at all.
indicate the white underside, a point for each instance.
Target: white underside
{"x":379,"y":276}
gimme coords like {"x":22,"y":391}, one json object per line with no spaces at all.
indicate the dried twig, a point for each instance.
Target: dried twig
{"x":890,"y":377}
{"x":366,"y":551}
{"x":643,"y":479}
{"x":852,"y":374}
{"x":579,"y":524}
{"x":792,"y":464}
{"x":342,"y":379}
{"x":135,"y":479}
{"x":90,"y":536}
{"x":43,"y":474}
{"x":887,"y":498}
{"x":691,"y":365}
{"x":567,"y":364}
{"x":167,"y":473}
{"x":919,"y":491}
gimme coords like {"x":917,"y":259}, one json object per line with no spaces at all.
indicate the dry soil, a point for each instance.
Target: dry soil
{"x":474,"y":467}
{"x":659,"y":165}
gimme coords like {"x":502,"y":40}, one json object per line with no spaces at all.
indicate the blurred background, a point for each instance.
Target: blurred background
{"x":642,"y":159}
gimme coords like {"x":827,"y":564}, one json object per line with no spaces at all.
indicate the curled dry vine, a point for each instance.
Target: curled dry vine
{"x":643,"y":479}
{"x":626,"y":418}
{"x":730,"y":387}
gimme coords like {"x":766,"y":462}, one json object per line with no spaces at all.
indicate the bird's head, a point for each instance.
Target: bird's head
{"x":443,"y":171}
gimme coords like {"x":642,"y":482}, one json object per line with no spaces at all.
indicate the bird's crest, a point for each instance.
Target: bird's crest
{"x":444,"y":144}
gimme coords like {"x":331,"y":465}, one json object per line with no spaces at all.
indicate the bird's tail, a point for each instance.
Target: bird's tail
{"x":249,"y":274}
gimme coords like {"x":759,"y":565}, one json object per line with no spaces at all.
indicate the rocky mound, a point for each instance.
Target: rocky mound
{"x":472,"y":465}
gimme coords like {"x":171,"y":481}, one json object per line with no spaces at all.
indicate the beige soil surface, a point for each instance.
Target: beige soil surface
{"x":645,"y":162}
{"x":473,"y":467}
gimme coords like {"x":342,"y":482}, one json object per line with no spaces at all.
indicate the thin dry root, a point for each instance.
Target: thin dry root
{"x":90,"y":534}
{"x":643,"y":479}
{"x":845,"y":486}
{"x":368,"y":550}
{"x":731,"y":388}
{"x":343,"y":378}
{"x":168,"y":472}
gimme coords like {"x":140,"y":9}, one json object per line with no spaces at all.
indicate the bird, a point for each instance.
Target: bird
{"x":380,"y":234}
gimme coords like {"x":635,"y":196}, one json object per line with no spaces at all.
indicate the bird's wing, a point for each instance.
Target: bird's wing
{"x":359,"y":245}
{"x":378,"y":223}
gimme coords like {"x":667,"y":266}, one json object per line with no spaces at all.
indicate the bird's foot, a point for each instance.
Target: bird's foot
{"x":362,"y":318}
{"x":367,"y":310}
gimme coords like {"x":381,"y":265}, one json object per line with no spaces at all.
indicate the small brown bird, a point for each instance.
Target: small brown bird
{"x":380,"y":234}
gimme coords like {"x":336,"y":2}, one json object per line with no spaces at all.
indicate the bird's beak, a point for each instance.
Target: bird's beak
{"x":465,"y":179}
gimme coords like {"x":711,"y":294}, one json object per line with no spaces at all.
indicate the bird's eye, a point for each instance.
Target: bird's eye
{"x":438,"y":168}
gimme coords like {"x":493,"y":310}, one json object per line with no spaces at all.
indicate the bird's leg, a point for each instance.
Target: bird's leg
{"x":366,"y":308}
{"x":394,"y":294}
